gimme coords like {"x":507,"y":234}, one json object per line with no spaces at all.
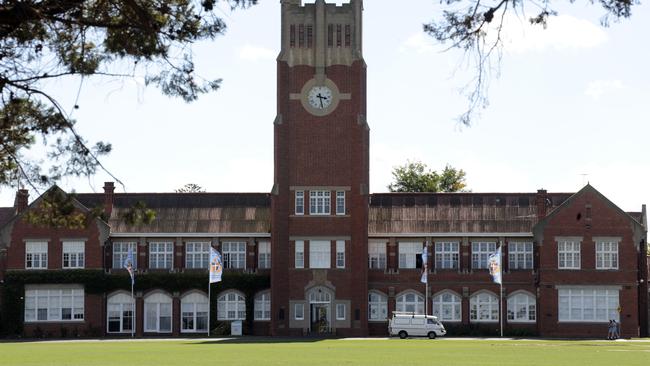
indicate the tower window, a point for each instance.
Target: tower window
{"x":330,"y":35}
{"x":301,"y":35}
{"x":319,"y":202}
{"x":338,"y":35}
{"x":348,"y":35}
{"x":310,"y":36}
{"x":292,"y":35}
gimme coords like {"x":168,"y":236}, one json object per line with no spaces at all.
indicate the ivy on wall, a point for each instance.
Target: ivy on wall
{"x":98,"y":282}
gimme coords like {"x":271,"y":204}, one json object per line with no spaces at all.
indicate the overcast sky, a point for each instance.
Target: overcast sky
{"x":570,"y":106}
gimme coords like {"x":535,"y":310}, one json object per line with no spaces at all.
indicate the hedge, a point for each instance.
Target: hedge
{"x":98,"y":282}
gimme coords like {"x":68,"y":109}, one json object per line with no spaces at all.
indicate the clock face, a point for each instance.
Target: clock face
{"x":320,"y":97}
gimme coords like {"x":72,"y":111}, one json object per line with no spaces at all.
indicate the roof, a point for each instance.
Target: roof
{"x":6,"y":213}
{"x":190,"y":212}
{"x":441,"y":213}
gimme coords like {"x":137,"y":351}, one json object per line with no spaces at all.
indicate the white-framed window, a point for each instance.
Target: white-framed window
{"x":262,"y":306}
{"x":54,"y":303}
{"x":520,"y":255}
{"x":299,"y":311}
{"x":340,"y":311}
{"x":299,"y":257}
{"x":340,"y":254}
{"x":36,"y":255}
{"x":73,"y":254}
{"x":264,"y":254}
{"x":377,"y":306}
{"x":588,"y":304}
{"x":300,"y":203}
{"x":158,"y":313}
{"x":194,"y":313}
{"x":522,"y":308}
{"x":408,"y":253}
{"x":197,"y":254}
{"x":340,"y":202}
{"x":234,"y":254}
{"x":377,"y":255}
{"x":410,"y":302}
{"x":119,"y":308}
{"x":606,"y":254}
{"x":447,"y":254}
{"x":319,"y":202}
{"x":231,"y":305}
{"x":121,"y":252}
{"x":319,"y":254}
{"x":568,"y":254}
{"x":481,"y":250}
{"x":447,"y":306}
{"x":161,"y":255}
{"x":483,"y":307}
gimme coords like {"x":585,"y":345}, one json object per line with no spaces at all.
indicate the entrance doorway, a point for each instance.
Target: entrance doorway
{"x":320,"y":304}
{"x":320,"y":318}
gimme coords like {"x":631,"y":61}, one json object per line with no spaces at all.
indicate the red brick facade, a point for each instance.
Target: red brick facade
{"x":319,"y":290}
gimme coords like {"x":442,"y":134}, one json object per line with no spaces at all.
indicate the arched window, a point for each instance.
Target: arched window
{"x":522,"y":307}
{"x":484,"y":307}
{"x":320,"y":295}
{"x":119,"y":307}
{"x":194,"y":313}
{"x":446,"y":306}
{"x":377,"y":306}
{"x":231,"y":305}
{"x":262,"y":306}
{"x":158,"y":313}
{"x":411,"y":302}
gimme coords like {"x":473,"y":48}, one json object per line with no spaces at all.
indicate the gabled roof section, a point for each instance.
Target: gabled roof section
{"x":198,"y":213}
{"x":455,"y":213}
{"x":585,"y":189}
{"x":6,"y":214}
{"x":40,"y":198}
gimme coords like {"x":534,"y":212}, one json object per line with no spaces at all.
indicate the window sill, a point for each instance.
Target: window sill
{"x":76,"y":321}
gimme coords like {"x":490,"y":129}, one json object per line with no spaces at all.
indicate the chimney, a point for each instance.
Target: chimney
{"x":109,"y":192}
{"x":20,"y":203}
{"x":542,"y":202}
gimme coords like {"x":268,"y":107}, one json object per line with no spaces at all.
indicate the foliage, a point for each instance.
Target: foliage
{"x":417,"y":177}
{"x":475,"y":27}
{"x":190,"y":188}
{"x":57,"y":210}
{"x":41,"y":41}
{"x":138,"y":214}
{"x":96,"y":281}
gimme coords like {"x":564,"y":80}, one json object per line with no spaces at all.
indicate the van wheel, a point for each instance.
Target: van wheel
{"x":402,"y":334}
{"x":432,"y":335}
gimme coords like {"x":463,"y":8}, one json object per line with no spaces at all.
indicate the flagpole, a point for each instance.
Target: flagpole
{"x":132,"y":311}
{"x":501,"y":287}
{"x":209,"y":306}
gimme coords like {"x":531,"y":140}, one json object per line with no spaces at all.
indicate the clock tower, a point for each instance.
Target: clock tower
{"x":320,"y":193}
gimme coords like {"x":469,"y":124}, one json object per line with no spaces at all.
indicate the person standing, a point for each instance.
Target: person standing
{"x":610,"y":329}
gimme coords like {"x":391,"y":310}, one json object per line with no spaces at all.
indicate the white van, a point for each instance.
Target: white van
{"x":409,"y":324}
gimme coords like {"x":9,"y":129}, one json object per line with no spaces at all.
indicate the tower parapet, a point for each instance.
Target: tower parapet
{"x":320,"y":34}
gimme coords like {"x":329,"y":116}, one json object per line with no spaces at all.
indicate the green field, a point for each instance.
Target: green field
{"x":375,"y":352}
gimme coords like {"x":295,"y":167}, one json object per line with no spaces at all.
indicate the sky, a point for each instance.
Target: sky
{"x":569,"y":106}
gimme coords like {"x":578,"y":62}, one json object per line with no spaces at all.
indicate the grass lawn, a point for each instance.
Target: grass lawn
{"x":440,"y":352}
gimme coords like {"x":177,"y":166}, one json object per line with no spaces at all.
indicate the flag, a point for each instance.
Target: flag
{"x":424,"y":278}
{"x":494,"y":265}
{"x":216,"y":267}
{"x":128,"y":265}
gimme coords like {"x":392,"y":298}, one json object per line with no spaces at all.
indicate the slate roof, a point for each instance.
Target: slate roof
{"x":6,"y":213}
{"x":471,"y":213}
{"x":389,"y":213}
{"x":191,"y":212}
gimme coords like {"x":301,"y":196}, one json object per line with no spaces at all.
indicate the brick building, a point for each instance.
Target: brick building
{"x":319,"y":254}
